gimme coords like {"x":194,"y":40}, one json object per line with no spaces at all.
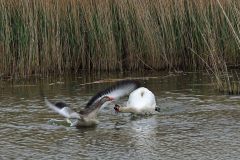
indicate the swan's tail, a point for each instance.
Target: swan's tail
{"x":157,"y":109}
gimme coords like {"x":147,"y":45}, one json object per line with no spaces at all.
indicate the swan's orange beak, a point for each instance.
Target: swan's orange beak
{"x":116,"y":108}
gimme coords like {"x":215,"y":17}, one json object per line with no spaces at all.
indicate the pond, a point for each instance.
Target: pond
{"x":195,"y":122}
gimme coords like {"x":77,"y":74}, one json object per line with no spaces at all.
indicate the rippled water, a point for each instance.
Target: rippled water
{"x":196,"y":122}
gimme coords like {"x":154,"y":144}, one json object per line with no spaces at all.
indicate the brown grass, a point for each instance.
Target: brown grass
{"x":49,"y":36}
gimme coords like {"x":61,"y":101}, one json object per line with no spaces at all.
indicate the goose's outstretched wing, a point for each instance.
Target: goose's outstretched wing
{"x":91,"y":112}
{"x":63,"y":109}
{"x":120,"y":89}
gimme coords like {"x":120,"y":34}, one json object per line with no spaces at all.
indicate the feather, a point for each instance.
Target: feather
{"x":63,"y":109}
{"x":116,"y":91}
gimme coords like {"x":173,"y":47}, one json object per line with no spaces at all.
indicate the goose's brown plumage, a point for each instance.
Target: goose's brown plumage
{"x":87,"y":116}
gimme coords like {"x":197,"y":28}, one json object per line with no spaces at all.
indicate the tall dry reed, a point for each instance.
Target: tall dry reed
{"x":57,"y":36}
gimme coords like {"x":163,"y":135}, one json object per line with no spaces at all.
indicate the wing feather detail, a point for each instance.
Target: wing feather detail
{"x":62,"y":109}
{"x":120,"y":89}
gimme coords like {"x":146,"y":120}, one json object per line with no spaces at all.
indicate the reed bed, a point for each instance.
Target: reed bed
{"x":58,"y":36}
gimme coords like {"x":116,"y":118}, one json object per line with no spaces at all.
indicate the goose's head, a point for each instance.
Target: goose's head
{"x":105,"y":99}
{"x":95,"y":106}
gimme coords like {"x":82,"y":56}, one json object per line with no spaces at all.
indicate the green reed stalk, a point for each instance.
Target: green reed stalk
{"x":49,"y":36}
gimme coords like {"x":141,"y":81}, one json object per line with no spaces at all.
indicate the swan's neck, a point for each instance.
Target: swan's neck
{"x":126,"y":110}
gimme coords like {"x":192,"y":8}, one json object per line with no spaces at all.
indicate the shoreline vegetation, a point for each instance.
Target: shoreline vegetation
{"x":70,"y":36}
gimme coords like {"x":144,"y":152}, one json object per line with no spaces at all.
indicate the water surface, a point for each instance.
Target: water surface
{"x":196,"y":122}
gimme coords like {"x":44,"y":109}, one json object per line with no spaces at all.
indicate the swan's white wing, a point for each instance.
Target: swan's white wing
{"x":116,"y":91}
{"x":63,"y":109}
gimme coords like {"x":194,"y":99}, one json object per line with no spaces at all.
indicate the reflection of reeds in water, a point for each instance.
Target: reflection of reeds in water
{"x":230,"y":84}
{"x":49,"y":36}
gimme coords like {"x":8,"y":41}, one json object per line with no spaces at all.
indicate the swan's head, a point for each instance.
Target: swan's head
{"x":117,"y":108}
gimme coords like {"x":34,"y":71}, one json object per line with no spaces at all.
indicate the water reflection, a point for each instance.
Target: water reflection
{"x":195,"y":123}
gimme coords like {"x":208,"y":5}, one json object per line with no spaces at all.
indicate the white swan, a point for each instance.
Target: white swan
{"x":87,"y":116}
{"x":141,"y":101}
